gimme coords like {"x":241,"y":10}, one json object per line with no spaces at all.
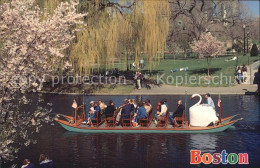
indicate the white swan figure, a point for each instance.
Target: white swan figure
{"x":201,"y":115}
{"x":194,"y":95}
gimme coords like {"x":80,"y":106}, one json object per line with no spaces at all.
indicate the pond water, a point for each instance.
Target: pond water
{"x":77,"y":150}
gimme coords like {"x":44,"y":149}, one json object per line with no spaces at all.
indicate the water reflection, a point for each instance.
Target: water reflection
{"x":203,"y":142}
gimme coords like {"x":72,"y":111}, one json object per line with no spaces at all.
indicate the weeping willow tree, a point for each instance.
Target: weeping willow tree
{"x":117,"y":31}
{"x":154,"y":26}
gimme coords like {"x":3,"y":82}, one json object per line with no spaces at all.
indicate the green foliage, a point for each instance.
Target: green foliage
{"x":111,"y":35}
{"x":198,"y":68}
{"x":254,"y":51}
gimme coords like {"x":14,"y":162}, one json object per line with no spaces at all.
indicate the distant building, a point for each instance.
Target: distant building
{"x":227,"y":10}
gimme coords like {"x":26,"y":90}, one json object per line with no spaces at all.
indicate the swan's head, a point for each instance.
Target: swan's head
{"x":194,"y":95}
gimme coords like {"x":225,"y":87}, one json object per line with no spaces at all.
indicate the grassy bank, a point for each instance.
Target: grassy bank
{"x":222,"y":72}
{"x":196,"y":76}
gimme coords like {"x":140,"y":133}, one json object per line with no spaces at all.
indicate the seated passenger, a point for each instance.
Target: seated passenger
{"x":141,"y":112}
{"x":132,"y":101}
{"x":147,"y":106}
{"x":158,"y":107}
{"x":165,"y":102}
{"x":101,"y":105}
{"x":149,"y":102}
{"x":97,"y":107}
{"x":109,"y":112}
{"x":118,"y":117}
{"x":179,"y":111}
{"x":209,"y":101}
{"x":126,"y":111}
{"x":92,"y":112}
{"x":161,"y":114}
{"x":158,"y":110}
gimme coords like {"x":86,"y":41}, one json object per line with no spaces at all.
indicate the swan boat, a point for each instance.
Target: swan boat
{"x":68,"y":123}
{"x":227,"y":122}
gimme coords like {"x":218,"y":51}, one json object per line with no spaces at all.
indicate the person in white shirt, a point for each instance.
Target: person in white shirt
{"x":162,"y":112}
{"x":209,"y":101}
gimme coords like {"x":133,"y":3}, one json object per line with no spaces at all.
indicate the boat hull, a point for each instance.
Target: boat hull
{"x":210,"y":129}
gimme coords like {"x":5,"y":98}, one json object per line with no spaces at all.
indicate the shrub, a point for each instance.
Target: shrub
{"x":254,"y":50}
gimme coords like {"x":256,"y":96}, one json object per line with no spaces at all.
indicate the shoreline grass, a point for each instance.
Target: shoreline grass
{"x":198,"y":69}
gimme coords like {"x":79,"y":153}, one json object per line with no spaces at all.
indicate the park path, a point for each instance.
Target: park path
{"x":244,"y":88}
{"x":252,"y":69}
{"x":180,"y":90}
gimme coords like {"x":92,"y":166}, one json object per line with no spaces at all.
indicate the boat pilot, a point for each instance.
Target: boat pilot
{"x":209,"y":101}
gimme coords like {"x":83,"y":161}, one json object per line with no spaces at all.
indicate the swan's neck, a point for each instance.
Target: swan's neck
{"x":199,"y":100}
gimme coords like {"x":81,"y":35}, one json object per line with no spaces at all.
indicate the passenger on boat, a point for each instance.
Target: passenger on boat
{"x":178,"y":113}
{"x":97,"y":107}
{"x":141,"y":113}
{"x":147,"y":106}
{"x":165,"y":102}
{"x":148,"y":100}
{"x":109,"y":112}
{"x":133,"y":102}
{"x":158,"y":107}
{"x":27,"y":164}
{"x":45,"y":161}
{"x":102,"y":105}
{"x":126,"y":101}
{"x":92,"y":112}
{"x":126,"y":111}
{"x":209,"y":101}
{"x":118,"y":117}
{"x":162,"y":113}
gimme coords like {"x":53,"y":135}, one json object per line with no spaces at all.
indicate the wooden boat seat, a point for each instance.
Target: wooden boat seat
{"x":163,"y":121}
{"x":147,"y":121}
{"x":97,"y":121}
{"x":127,"y":121}
{"x":179,"y":120}
{"x":110,"y":121}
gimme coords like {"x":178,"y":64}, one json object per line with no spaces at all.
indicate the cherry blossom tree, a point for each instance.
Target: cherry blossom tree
{"x":208,"y":46}
{"x":32,"y":44}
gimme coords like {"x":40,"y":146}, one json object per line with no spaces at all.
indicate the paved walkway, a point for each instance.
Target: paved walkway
{"x":174,"y":90}
{"x":251,"y":70}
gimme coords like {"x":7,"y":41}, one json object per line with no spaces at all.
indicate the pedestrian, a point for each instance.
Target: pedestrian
{"x":142,"y":63}
{"x":27,"y":164}
{"x":244,"y":73}
{"x":239,"y":75}
{"x":45,"y":161}
{"x":137,"y":78}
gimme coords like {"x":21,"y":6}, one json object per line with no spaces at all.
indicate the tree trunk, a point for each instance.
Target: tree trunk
{"x":185,"y":53}
{"x":208,"y":64}
{"x":127,"y":66}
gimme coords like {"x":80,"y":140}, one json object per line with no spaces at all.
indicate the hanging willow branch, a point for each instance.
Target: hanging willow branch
{"x":117,"y":30}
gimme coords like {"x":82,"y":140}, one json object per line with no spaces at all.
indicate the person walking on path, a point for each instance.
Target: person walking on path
{"x":138,"y":77}
{"x":244,"y":73}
